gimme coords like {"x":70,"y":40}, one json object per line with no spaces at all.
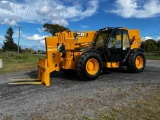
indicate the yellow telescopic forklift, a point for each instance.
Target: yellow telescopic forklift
{"x":88,"y":53}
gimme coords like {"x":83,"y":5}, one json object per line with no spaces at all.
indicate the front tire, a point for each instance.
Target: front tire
{"x":89,"y":66}
{"x":136,"y":62}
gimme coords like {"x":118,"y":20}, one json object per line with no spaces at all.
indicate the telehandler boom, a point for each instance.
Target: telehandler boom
{"x":88,"y":53}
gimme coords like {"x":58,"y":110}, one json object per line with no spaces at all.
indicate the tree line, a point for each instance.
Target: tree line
{"x":149,"y":45}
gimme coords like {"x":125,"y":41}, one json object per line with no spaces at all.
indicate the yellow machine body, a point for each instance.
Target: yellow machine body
{"x":135,"y":38}
{"x":54,"y":61}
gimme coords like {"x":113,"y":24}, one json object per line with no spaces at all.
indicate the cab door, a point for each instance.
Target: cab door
{"x":117,"y":45}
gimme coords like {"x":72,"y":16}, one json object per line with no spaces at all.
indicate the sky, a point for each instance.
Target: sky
{"x":77,"y":15}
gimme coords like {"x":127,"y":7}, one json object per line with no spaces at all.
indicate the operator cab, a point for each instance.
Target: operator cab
{"x":113,"y":44}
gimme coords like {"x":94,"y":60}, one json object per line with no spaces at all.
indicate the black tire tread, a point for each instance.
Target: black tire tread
{"x":131,"y":62}
{"x":81,"y":62}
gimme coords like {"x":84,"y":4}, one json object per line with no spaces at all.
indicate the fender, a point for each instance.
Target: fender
{"x":91,"y":50}
{"x":137,"y":50}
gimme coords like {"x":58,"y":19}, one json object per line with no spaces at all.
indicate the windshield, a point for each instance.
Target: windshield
{"x":100,"y":39}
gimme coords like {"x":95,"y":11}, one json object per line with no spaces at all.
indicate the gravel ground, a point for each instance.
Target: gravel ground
{"x":70,"y":98}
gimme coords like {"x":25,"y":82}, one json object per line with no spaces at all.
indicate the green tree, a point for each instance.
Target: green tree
{"x":149,"y":45}
{"x":28,"y":50}
{"x":9,"y":44}
{"x":158,"y":44}
{"x":54,"y":28}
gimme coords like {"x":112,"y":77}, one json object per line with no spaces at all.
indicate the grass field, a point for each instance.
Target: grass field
{"x":153,"y":55}
{"x":13,"y":62}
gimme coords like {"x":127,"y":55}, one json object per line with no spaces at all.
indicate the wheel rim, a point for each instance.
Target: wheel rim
{"x":92,"y":66}
{"x":139,"y":62}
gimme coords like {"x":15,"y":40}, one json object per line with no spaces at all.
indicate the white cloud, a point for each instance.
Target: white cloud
{"x":54,"y":11}
{"x":136,"y":8}
{"x":158,"y":38}
{"x":1,"y":39}
{"x":16,"y":33}
{"x":9,"y":21}
{"x":40,"y":39}
{"x":42,"y":42}
{"x":79,"y":14}
{"x":40,"y":29}
{"x":146,"y":38}
{"x":35,"y":37}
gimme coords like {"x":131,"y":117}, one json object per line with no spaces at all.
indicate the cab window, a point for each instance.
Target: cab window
{"x":101,"y":39}
{"x":115,"y":40}
{"x":126,"y":43}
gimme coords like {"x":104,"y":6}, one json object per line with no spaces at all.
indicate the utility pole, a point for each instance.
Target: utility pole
{"x":19,"y":29}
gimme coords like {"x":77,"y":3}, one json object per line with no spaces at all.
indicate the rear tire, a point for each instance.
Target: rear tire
{"x":136,"y":62}
{"x":89,"y":66}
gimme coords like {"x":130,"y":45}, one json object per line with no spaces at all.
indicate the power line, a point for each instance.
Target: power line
{"x":19,"y":29}
{"x":22,"y":12}
{"x":29,"y":7}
